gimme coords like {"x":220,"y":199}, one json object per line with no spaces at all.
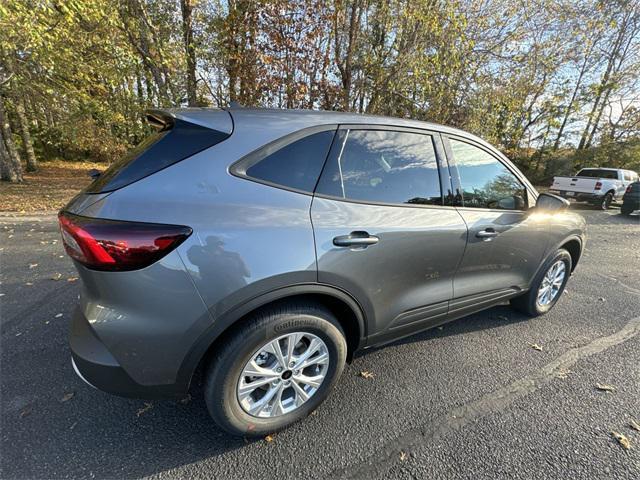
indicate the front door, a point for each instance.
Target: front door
{"x":506,"y":243}
{"x":381,"y":230}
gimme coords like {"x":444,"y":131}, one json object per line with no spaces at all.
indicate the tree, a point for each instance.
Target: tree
{"x":10,"y":165}
{"x":190,"y":51}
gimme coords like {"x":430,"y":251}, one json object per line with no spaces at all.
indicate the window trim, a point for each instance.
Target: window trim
{"x":336,"y":151}
{"x":239,"y":167}
{"x":457,"y":183}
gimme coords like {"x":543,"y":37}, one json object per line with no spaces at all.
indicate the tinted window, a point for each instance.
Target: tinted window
{"x":486,"y":182}
{"x":383,"y":166}
{"x":296,"y":165}
{"x":158,"y":151}
{"x":597,"y":173}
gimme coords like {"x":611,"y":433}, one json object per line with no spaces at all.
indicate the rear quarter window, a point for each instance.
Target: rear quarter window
{"x":293,"y":162}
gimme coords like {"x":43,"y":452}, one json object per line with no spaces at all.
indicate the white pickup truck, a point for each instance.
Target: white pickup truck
{"x":598,"y":186}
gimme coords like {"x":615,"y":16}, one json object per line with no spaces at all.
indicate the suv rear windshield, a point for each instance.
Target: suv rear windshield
{"x":597,"y":173}
{"x":176,"y":141}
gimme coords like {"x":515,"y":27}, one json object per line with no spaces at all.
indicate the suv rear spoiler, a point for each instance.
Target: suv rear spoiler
{"x":214,"y":119}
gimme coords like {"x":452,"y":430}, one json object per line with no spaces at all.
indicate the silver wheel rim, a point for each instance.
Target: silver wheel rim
{"x":283,"y":374}
{"x":551,"y":283}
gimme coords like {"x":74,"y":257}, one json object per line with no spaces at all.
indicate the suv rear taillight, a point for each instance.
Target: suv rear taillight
{"x":598,"y":185}
{"x":117,"y":245}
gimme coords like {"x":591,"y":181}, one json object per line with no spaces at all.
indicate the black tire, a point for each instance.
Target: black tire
{"x":626,"y":209}
{"x":225,"y":368}
{"x":606,"y":201}
{"x":528,"y":303}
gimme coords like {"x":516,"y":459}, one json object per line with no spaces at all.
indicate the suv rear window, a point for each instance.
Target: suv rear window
{"x":597,"y":173}
{"x":176,"y":141}
{"x":291,"y":162}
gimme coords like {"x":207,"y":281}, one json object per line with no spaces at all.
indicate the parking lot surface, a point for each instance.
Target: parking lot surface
{"x":472,"y":399}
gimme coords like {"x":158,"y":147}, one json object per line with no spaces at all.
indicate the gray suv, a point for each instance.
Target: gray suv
{"x":264,"y":248}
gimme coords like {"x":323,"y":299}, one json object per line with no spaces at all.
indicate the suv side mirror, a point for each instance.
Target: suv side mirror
{"x":551,"y":203}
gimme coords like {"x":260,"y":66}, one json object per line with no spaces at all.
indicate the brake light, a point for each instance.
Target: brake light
{"x":598,"y":185}
{"x":117,"y":245}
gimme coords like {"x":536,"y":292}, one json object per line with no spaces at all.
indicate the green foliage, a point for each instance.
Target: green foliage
{"x":539,"y":79}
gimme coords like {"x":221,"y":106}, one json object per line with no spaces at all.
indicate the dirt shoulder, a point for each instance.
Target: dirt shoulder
{"x":48,"y":189}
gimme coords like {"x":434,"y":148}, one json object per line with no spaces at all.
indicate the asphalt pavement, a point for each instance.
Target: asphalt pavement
{"x":472,"y":399}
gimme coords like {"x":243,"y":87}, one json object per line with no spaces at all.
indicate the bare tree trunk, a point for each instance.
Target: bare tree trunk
{"x":11,"y":166}
{"x":570,"y":106}
{"x":345,"y":64}
{"x":190,"y":52}
{"x":23,"y":121}
{"x":605,"y":87}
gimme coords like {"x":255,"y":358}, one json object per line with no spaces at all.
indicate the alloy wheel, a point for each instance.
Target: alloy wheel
{"x":283,"y":374}
{"x":551,"y":283}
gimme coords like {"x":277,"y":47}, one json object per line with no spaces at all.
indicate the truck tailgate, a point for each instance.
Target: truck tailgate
{"x":574,"y":184}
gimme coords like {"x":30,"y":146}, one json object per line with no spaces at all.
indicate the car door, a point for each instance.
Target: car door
{"x":382,"y":232}
{"x":506,"y":243}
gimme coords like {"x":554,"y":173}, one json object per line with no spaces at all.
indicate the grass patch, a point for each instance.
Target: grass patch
{"x":48,"y":189}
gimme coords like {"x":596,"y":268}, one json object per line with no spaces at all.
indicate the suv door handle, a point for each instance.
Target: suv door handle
{"x":487,"y":233}
{"x":355,"y":239}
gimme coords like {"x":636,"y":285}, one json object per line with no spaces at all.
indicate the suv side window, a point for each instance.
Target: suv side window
{"x":295,"y":165}
{"x":486,"y":182}
{"x":383,"y":166}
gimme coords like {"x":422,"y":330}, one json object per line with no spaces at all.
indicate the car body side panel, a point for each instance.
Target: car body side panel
{"x":147,"y":319}
{"x":411,"y":267}
{"x":506,"y":261}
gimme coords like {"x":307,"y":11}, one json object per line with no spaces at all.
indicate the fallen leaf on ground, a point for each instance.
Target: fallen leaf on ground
{"x":622,"y":440}
{"x":268,"y":438}
{"x":56,"y":276}
{"x":58,"y":315}
{"x":33,"y":265}
{"x":67,"y":396}
{"x":633,"y":424}
{"x":365,"y":374}
{"x":403,"y":456}
{"x":535,"y":346}
{"x":563,"y":373}
{"x":72,"y":279}
{"x":604,"y":387}
{"x":26,"y":411}
{"x":147,"y":406}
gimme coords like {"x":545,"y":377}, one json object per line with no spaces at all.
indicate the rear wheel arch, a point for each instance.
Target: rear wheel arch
{"x":346,"y":309}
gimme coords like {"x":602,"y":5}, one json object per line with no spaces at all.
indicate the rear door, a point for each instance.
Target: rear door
{"x":382,"y":231}
{"x":506,"y":243}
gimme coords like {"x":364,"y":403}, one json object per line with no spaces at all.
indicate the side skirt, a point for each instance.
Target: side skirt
{"x":430,"y":316}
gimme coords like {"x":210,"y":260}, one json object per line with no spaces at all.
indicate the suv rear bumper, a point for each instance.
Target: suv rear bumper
{"x":96,"y":366}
